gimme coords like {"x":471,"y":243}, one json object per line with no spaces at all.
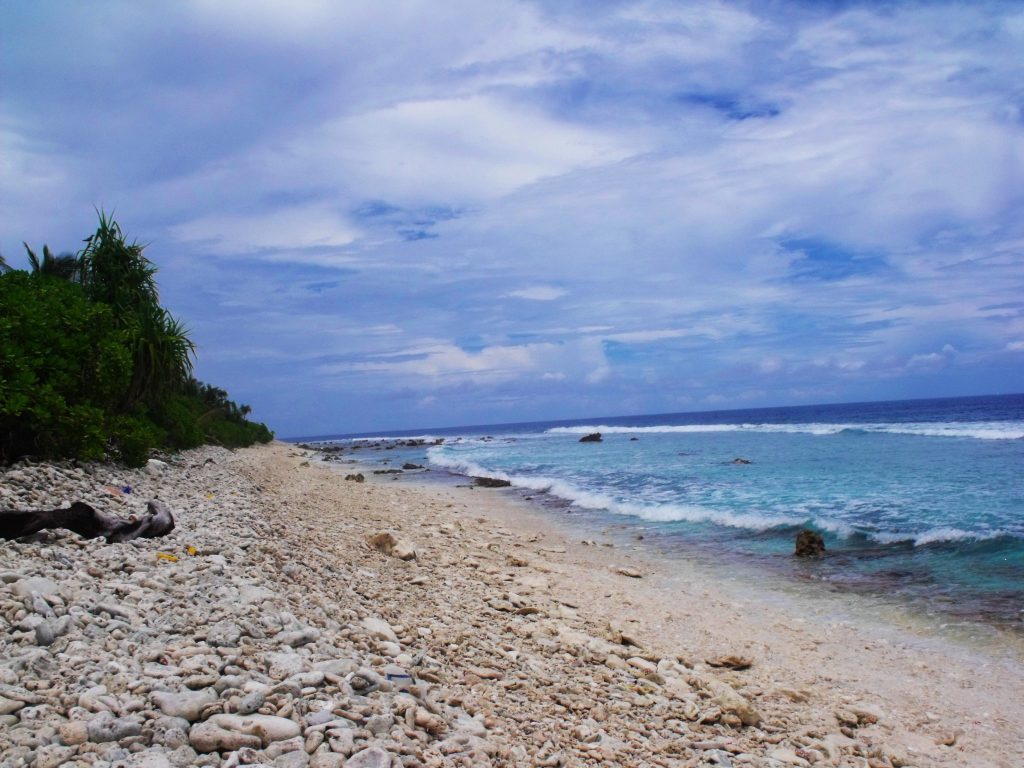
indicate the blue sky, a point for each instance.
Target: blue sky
{"x":383,"y":215}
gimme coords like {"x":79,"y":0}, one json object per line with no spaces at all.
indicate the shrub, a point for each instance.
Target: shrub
{"x":64,"y":365}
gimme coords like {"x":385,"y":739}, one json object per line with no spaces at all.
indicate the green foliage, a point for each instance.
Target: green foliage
{"x":64,"y":266}
{"x":91,"y":365}
{"x":64,"y":365}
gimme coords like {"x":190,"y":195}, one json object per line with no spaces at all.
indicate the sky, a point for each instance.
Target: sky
{"x":384,"y":215}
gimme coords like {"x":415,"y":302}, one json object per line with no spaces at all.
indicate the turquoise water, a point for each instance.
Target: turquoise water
{"x":920,"y":499}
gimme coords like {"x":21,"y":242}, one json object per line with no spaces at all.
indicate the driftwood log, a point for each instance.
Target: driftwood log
{"x":90,"y":524}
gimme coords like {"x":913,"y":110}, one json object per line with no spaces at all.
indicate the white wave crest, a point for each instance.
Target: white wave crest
{"x":655,"y":513}
{"x":980,"y":430}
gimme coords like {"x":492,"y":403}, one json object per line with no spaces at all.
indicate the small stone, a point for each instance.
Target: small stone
{"x":73,"y":732}
{"x":268,"y":727}
{"x":732,"y":661}
{"x":9,"y":706}
{"x":210,"y":737}
{"x":327,"y":760}
{"x":149,"y":759}
{"x":38,"y":584}
{"x":379,"y":629}
{"x":105,"y":727}
{"x":342,"y":741}
{"x":188,"y":705}
{"x":374,"y":757}
{"x":380,"y":724}
{"x":787,"y":756}
{"x":251,"y":702}
{"x":295,"y":759}
{"x":632,"y":573}
{"x":645,"y":667}
{"x":53,"y":756}
{"x":223,"y":634}
{"x":283,"y":665}
{"x":45,"y":634}
{"x":298,"y":637}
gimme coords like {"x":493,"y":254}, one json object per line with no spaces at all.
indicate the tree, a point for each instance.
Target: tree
{"x":64,"y":266}
{"x":116,"y":273}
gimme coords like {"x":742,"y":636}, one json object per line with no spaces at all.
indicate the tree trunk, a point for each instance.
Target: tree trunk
{"x":82,"y":519}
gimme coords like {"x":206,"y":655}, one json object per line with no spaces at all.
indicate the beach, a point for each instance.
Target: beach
{"x":295,"y":618}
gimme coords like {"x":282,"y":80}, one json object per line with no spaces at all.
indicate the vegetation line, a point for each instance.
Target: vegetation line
{"x":92,"y":366}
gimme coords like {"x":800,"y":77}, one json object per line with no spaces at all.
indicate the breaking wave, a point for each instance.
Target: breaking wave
{"x":982,"y":430}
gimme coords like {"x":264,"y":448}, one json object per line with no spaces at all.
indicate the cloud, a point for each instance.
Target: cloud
{"x":457,"y":212}
{"x":539,"y":293}
{"x":289,"y":229}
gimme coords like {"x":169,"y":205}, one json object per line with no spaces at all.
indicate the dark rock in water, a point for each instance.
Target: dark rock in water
{"x":410,"y":465}
{"x":358,"y":478}
{"x":633,"y":439}
{"x":809,"y":544}
{"x":594,"y":437}
{"x":491,"y":482}
{"x":387,"y":471}
{"x":741,"y":461}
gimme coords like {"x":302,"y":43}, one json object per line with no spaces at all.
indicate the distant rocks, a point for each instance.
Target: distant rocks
{"x":809,"y":544}
{"x":356,"y":478}
{"x":740,"y":460}
{"x":593,"y":437}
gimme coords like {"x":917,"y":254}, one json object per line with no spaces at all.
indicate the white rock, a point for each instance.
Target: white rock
{"x":327,"y":760}
{"x":268,"y":728}
{"x":9,"y":706}
{"x":379,"y":629}
{"x":52,"y":756}
{"x":374,"y":757}
{"x":283,"y":665}
{"x":40,"y":584}
{"x":188,"y":705}
{"x":150,"y":759}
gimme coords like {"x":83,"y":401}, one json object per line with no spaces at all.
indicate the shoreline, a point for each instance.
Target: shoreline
{"x":971,"y":630}
{"x":874,"y":649}
{"x":527,"y":647}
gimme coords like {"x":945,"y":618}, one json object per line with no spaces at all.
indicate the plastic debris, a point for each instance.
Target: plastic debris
{"x":167,"y":556}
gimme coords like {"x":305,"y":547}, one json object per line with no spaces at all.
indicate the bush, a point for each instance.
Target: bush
{"x":64,"y":365}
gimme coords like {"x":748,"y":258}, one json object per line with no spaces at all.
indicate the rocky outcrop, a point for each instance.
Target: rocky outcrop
{"x":593,"y":437}
{"x":809,"y":544}
{"x":491,"y":482}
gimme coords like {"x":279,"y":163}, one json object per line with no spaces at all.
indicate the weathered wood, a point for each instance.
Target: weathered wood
{"x":88,"y":523}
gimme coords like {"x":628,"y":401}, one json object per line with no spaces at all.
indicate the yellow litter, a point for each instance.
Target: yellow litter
{"x":167,"y":556}
{"x":192,"y":551}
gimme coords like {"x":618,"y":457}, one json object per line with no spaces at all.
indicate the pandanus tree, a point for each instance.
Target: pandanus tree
{"x":115,"y":272}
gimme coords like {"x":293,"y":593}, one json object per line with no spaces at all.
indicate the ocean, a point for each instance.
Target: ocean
{"x":919,"y":500}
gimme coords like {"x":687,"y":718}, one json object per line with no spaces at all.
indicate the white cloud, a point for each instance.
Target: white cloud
{"x":457,"y":149}
{"x":539,"y":293}
{"x":289,"y":228}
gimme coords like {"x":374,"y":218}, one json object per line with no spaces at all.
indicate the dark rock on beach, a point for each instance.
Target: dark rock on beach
{"x":594,"y":437}
{"x":491,"y":482}
{"x":809,"y":544}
